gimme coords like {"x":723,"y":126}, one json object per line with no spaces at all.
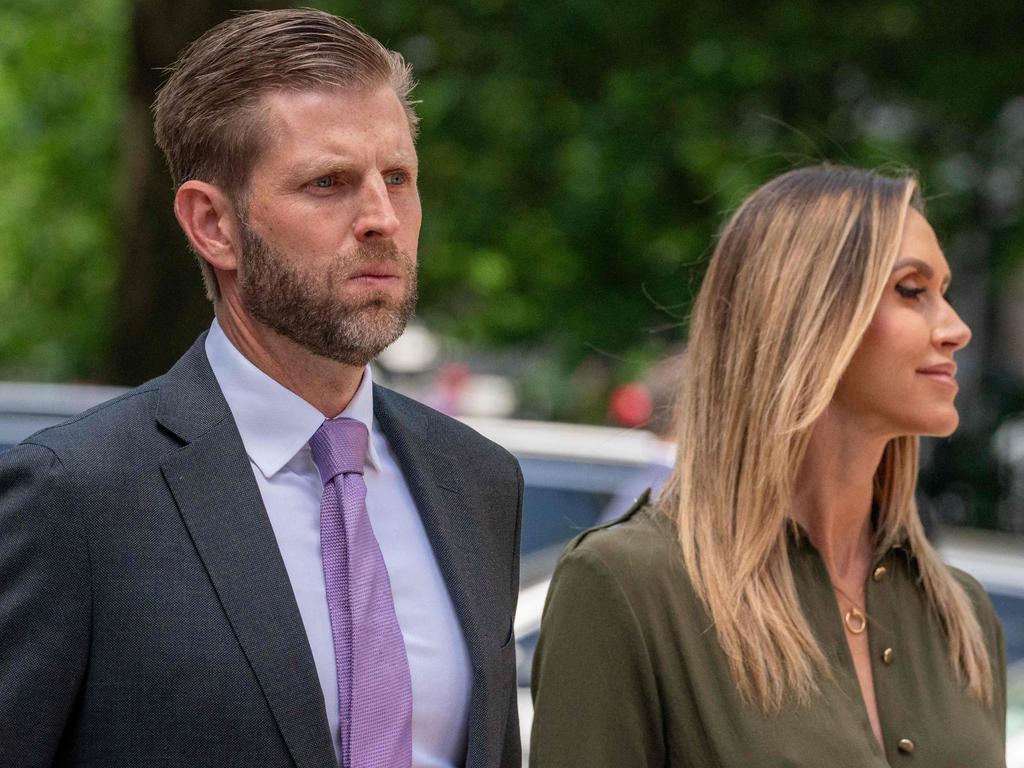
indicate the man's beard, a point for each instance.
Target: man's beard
{"x":306,"y":308}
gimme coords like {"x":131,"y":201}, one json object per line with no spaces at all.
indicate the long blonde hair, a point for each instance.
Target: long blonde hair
{"x":794,"y":281}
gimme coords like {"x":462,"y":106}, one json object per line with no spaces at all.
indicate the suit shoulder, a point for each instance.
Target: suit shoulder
{"x":453,"y":434}
{"x":100,"y":427}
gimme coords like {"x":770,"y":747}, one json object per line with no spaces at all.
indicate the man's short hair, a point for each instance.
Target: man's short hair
{"x":207,"y":115}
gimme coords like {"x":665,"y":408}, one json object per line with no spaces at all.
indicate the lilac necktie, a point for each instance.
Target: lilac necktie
{"x":374,"y":686}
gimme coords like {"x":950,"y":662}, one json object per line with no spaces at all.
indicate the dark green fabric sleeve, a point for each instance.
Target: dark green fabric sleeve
{"x":595,"y":694}
{"x":997,"y":651}
{"x":999,"y":661}
{"x":996,"y":642}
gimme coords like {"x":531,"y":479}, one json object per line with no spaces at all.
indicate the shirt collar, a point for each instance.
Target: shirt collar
{"x":273,"y":422}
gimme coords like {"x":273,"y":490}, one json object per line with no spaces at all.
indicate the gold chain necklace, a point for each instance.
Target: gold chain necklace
{"x":854,"y":619}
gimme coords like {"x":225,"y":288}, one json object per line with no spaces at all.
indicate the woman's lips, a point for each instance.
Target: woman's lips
{"x":942,"y":374}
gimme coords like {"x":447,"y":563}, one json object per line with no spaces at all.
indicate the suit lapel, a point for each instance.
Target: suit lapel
{"x":213,"y":485}
{"x":437,"y":486}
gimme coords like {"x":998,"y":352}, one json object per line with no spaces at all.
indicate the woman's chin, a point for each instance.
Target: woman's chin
{"x":944,"y":425}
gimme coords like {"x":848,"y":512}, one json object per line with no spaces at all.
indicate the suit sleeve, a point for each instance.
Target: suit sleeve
{"x":45,"y":605}
{"x":594,"y":688}
{"x":512,"y":751}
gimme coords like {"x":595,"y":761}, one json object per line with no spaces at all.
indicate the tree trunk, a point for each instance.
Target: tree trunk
{"x":160,"y":305}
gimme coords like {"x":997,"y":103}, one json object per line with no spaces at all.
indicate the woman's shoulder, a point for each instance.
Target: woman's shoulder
{"x":983,"y":608}
{"x":979,"y":597}
{"x":637,"y":551}
{"x":642,"y":528}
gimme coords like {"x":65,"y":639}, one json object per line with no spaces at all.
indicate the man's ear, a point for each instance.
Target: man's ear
{"x":208,"y":218}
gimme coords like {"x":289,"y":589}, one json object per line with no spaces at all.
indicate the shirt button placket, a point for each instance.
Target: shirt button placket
{"x":888,"y":656}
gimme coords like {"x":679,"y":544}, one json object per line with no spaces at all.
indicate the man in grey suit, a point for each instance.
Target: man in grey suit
{"x":261,"y":558}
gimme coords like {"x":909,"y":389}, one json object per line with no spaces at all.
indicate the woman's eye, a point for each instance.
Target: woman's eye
{"x":907,"y":292}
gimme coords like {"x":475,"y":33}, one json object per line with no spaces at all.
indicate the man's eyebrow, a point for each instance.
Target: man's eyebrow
{"x":340,"y":164}
{"x":328,"y":164}
{"x":921,"y":266}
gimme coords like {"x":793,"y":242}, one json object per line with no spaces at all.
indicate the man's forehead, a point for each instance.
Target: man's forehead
{"x":335,"y":122}
{"x":350,"y":99}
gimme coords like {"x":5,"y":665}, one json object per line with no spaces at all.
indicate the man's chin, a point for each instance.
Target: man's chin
{"x":357,"y":343}
{"x":337,"y":331}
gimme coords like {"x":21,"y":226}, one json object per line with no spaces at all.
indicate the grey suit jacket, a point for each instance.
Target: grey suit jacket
{"x":146,"y":618}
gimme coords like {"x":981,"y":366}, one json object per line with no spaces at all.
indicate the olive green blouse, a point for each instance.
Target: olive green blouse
{"x":628,"y":670}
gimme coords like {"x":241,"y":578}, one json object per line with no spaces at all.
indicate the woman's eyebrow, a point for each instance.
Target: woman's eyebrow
{"x":921,"y":266}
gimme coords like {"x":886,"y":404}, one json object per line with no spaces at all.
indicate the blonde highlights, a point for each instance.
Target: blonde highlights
{"x":791,"y":288}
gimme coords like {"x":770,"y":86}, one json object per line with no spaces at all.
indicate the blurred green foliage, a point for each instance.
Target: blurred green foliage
{"x":577,"y":158}
{"x":60,"y":97}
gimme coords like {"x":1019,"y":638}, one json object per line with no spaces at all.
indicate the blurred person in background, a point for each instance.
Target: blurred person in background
{"x":778,"y":603}
{"x":261,"y":558}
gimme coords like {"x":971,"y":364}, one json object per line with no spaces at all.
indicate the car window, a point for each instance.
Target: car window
{"x":1011,"y":613}
{"x":563,"y":497}
{"x":552,"y":516}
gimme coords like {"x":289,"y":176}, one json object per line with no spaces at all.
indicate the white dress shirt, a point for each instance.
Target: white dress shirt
{"x":275,"y":425}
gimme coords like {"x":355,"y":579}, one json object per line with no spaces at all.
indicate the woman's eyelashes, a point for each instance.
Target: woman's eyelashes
{"x":909,"y":292}
{"x":914,"y":293}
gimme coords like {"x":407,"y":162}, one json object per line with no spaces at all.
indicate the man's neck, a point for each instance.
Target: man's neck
{"x":325,"y":384}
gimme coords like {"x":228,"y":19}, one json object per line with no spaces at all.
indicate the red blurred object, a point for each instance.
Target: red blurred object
{"x":449,"y":383}
{"x":631,"y":405}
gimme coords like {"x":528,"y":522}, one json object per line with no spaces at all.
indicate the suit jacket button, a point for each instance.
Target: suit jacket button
{"x":906,"y":746}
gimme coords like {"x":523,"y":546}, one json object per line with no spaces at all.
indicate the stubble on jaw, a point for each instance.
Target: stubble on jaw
{"x":305,"y":307}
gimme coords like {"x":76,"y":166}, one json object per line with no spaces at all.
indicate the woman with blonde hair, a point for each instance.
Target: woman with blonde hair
{"x":778,"y":604}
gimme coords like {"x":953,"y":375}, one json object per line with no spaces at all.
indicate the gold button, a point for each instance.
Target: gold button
{"x":888,"y":655}
{"x":906,"y":746}
{"x":879,"y":573}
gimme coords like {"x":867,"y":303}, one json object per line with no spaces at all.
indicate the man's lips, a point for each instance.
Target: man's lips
{"x":943,"y":373}
{"x":375,"y":274}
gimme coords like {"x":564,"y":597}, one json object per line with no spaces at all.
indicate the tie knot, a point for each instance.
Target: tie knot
{"x":339,"y":447}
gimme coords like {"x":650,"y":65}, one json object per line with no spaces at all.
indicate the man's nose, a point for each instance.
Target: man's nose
{"x":376,"y":216}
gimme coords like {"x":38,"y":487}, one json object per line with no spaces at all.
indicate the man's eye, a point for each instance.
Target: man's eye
{"x":395,"y":177}
{"x":324,"y":182}
{"x":907,"y":292}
